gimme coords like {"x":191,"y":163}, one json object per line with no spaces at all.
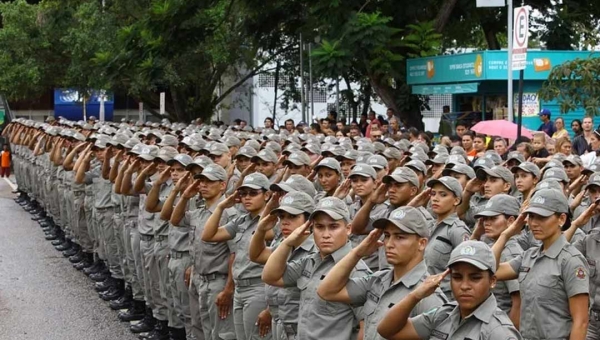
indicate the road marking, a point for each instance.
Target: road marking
{"x":14,"y":187}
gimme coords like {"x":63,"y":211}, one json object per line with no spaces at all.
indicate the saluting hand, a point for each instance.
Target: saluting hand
{"x":421,"y":199}
{"x":183,"y":182}
{"x":515,"y":227}
{"x":587,"y":214}
{"x":164,"y":176}
{"x":191,"y":190}
{"x":474,"y":185}
{"x":343,"y":190}
{"x":249,"y":169}
{"x":297,"y":236}
{"x":379,"y":195}
{"x":430,"y":284}
{"x":231,"y":200}
{"x":370,"y":244}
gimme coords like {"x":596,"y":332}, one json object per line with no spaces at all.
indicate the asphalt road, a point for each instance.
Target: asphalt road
{"x":42,"y":297}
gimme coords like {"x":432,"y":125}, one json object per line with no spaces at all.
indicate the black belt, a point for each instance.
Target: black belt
{"x":248,"y":282}
{"x":161,"y":238}
{"x":291,"y":329}
{"x":212,"y":277}
{"x":179,"y":254}
{"x":104,"y":209}
{"x":146,"y":238}
{"x":595,"y":315}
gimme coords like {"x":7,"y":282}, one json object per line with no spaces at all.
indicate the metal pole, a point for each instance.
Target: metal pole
{"x":310,"y":81}
{"x":337,"y":96}
{"x":302,"y":80}
{"x":520,"y":112}
{"x":510,"y":70}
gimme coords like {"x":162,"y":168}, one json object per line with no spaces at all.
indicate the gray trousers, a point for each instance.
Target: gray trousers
{"x":159,"y":275}
{"x":214,"y":327}
{"x":179,"y":314}
{"x":593,"y":331}
{"x":281,"y":333}
{"x":133,"y":258}
{"x":248,"y":302}
{"x":197,"y":331}
{"x":90,"y":219}
{"x":117,"y":245}
{"x":108,"y":241}
{"x":80,"y":223}
{"x":151,"y":288}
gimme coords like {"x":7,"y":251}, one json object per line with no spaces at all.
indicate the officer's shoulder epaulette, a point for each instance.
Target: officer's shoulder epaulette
{"x":502,"y":318}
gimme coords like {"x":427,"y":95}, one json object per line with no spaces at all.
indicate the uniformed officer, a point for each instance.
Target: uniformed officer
{"x":293,"y":211}
{"x":249,"y":296}
{"x":405,"y":237}
{"x":553,"y":278}
{"x":449,"y":230}
{"x":318,"y":319}
{"x":499,"y":212}
{"x":329,"y":174}
{"x":527,"y":176}
{"x":474,"y":315}
{"x":266,"y":163}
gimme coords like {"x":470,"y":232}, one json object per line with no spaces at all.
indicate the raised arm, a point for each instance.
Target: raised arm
{"x":83,"y":167}
{"x":153,"y":203}
{"x":277,"y":263}
{"x":167,"y":209}
{"x":106,"y":164}
{"x":140,"y":181}
{"x":114,"y":170}
{"x":505,"y":271}
{"x":258,"y":251}
{"x":361,"y":219}
{"x":181,"y":207}
{"x":212,"y":231}
{"x":472,"y":187}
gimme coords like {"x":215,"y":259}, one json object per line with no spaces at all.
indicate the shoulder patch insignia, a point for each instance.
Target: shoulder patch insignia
{"x":580,"y":273}
{"x":466,"y":237}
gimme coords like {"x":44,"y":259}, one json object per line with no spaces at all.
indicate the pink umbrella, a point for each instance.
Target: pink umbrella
{"x":501,"y":128}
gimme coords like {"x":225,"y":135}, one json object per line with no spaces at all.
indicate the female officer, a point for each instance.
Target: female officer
{"x":526,"y":177}
{"x":293,"y":212}
{"x":449,"y":230}
{"x":329,"y":173}
{"x":553,"y":277}
{"x":474,"y":315}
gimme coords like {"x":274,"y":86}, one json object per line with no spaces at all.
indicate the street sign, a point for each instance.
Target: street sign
{"x":162,"y":103}
{"x":520,"y":38}
{"x":491,"y":3}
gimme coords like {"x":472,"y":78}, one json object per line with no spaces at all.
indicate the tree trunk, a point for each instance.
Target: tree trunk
{"x":490,"y":36}
{"x":401,"y":100}
{"x":367,"y":91}
{"x":444,"y":14}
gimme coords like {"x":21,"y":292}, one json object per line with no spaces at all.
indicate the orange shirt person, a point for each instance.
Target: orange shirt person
{"x":5,"y":157}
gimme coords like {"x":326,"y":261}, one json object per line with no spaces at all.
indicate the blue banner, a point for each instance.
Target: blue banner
{"x":68,"y":103}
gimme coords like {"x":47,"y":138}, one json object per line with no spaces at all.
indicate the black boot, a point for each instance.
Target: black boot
{"x":88,"y":261}
{"x":40,"y":216}
{"x":96,"y":267}
{"x":137,"y":311}
{"x":64,"y":246}
{"x":100,"y":275}
{"x":160,"y":331}
{"x":77,"y":257}
{"x":61,"y":239}
{"x":177,"y":333}
{"x":123,"y":302}
{"x":103,"y":286}
{"x":146,"y":325}
{"x":75,"y":249}
{"x":55,"y":236}
{"x":114,"y":292}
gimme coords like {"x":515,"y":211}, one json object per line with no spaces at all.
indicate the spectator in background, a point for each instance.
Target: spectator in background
{"x":355,"y":131}
{"x":455,"y":140}
{"x":547,"y":124}
{"x":526,"y":149}
{"x":576,"y":127}
{"x":582,"y":141}
{"x":5,"y":160}
{"x":289,"y":125}
{"x":326,"y":127}
{"x":425,"y":138}
{"x":501,"y":147}
{"x":559,"y":125}
{"x":372,"y":121}
{"x":332,"y":116}
{"x":461,"y":128}
{"x":341,"y":125}
{"x":243,"y":124}
{"x":394,"y":128}
{"x":564,"y":146}
{"x":269,"y":123}
{"x":467,"y":143}
{"x":315,"y":129}
{"x":363,"y":124}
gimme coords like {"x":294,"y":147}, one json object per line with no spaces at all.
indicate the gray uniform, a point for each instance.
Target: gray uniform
{"x":249,"y":298}
{"x":320,"y":319}
{"x":211,"y":268}
{"x":476,"y":204}
{"x":446,"y":235}
{"x":504,"y":289}
{"x":378,"y":294}
{"x":487,"y":322}
{"x":105,"y":208}
{"x":164,"y":306}
{"x":590,"y":249}
{"x":547,"y":280}
{"x":373,"y":260}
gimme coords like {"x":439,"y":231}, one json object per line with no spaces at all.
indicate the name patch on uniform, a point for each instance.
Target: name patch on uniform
{"x":437,"y":334}
{"x":524,"y":269}
{"x":373,"y":297}
{"x":305,"y":273}
{"x":591,"y":262}
{"x":580,"y":273}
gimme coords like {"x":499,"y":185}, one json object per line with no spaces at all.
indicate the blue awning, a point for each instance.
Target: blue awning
{"x":445,"y":89}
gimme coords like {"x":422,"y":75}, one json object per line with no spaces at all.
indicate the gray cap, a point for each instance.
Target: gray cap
{"x":231,"y":141}
{"x":168,"y":140}
{"x":417,"y":166}
{"x":201,"y":161}
{"x":497,"y":172}
{"x":556,"y":174}
{"x":334,"y":207}
{"x":363,"y":157}
{"x":137,"y":149}
{"x":273,"y":146}
{"x":78,"y":136}
{"x":552,"y":164}
{"x":378,"y":162}
{"x":527,"y":167}
{"x":559,"y":157}
{"x":438,"y":159}
{"x":418,"y":156}
{"x":149,"y":152}
{"x":494,"y":156}
{"x":296,"y":183}
{"x":592,"y":168}
{"x":246,"y":151}
{"x":546,"y":202}
{"x":213,"y":172}
{"x":456,"y":159}
{"x":297,"y":158}
{"x":330,"y":163}
{"x":500,"y":204}
{"x":131,"y":142}
{"x":363,"y":170}
{"x":548,"y":184}
{"x":402,"y":175}
{"x":458,"y":168}
{"x":439,"y":149}
{"x":167,"y":153}
{"x":476,"y":253}
{"x":515,"y":155}
{"x":295,"y":203}
{"x":101,"y":142}
{"x":256,"y":180}
{"x":253,"y":144}
{"x":483,"y":163}
{"x":349,"y":154}
{"x":379,"y":147}
{"x":367,"y":147}
{"x":573,"y":159}
{"x":312,"y":148}
{"x":291,"y":148}
{"x":392,"y":153}
{"x":335,"y":150}
{"x":407,"y":219}
{"x":265,"y":155}
{"x":118,"y":139}
{"x":218,"y":149}
{"x":594,"y":180}
{"x":450,"y":183}
{"x":182,"y":158}
{"x":458,"y":150}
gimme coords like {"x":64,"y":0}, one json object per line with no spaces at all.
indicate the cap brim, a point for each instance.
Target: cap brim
{"x":487,"y":213}
{"x":325,"y":166}
{"x":361,"y":174}
{"x":331,"y":214}
{"x":251,"y":186}
{"x":289,"y":210}
{"x":483,"y":172}
{"x":147,"y":157}
{"x":282,"y":187}
{"x":207,"y":176}
{"x":242,"y":155}
{"x":216,"y":153}
{"x":587,"y":172}
{"x":289,"y":161}
{"x":259,"y":158}
{"x":384,"y":222}
{"x":415,"y":168}
{"x":539,"y":211}
{"x":473,"y":262}
{"x":393,"y":178}
{"x":165,"y":159}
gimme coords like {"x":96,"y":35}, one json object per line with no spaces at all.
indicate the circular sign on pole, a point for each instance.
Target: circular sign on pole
{"x":521,"y":28}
